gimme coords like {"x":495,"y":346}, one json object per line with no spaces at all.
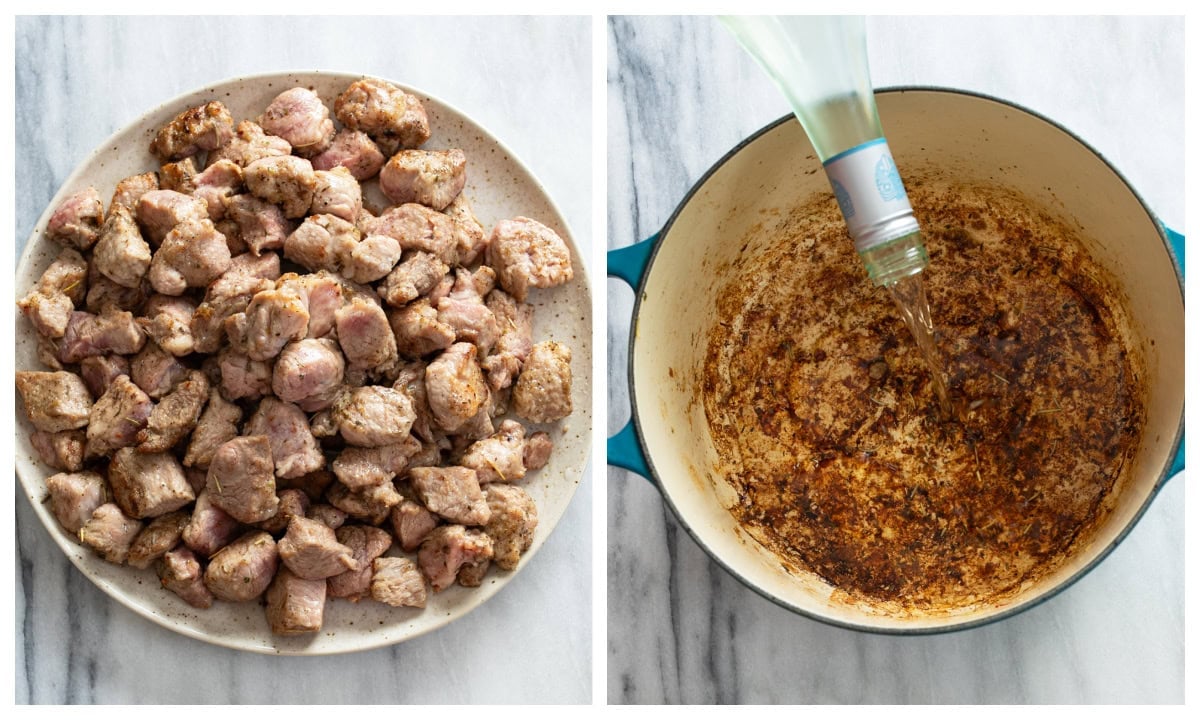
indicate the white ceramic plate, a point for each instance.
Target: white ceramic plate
{"x":499,"y":187}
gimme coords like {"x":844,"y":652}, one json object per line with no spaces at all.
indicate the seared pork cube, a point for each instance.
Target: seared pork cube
{"x":455,"y":387}
{"x":295,"y":606}
{"x":513,"y":522}
{"x":193,"y":254}
{"x":121,"y":253}
{"x":210,"y":528}
{"x":411,"y":522}
{"x":205,"y":127}
{"x":464,"y":311}
{"x":371,"y":504}
{"x":230,"y":294}
{"x":117,"y":417}
{"x":415,"y":276}
{"x":105,"y":295}
{"x":76,"y":221}
{"x":216,"y":426}
{"x":322,"y":294}
{"x":471,"y":238}
{"x":179,"y":176}
{"x":99,"y":371}
{"x":60,"y":450}
{"x":418,"y":330}
{"x":287,"y":181}
{"x":312,"y":551}
{"x":366,"y":543}
{"x":112,"y":331}
{"x":292,"y":503}
{"x":512,"y":348}
{"x":250,"y":143}
{"x":62,"y":286}
{"x":312,"y":484}
{"x":358,"y":468}
{"x":75,"y":496}
{"x":146,"y":485}
{"x":353,"y":150}
{"x":219,"y":182}
{"x":417,"y":227}
{"x":527,"y":254}
{"x":155,"y":371}
{"x":110,"y":533}
{"x":159,"y":211}
{"x":47,"y":353}
{"x":396,"y":581}
{"x":241,"y":479}
{"x":271,"y":320}
{"x":389,"y":115}
{"x":161,"y":535}
{"x":371,"y":416}
{"x":243,"y":377}
{"x":293,"y":446}
{"x":364,"y":335}
{"x":131,"y":189}
{"x":180,"y":573}
{"x":372,"y":259}
{"x":242,"y":570}
{"x":337,"y":193}
{"x":499,"y":458}
{"x":299,"y":116}
{"x":327,"y":515}
{"x":430,"y":177}
{"x":308,"y":373}
{"x":168,"y":322}
{"x":543,"y":391}
{"x":537,"y":450}
{"x":410,"y":380}
{"x":56,"y":401}
{"x":472,"y":574}
{"x":173,"y":418}
{"x":447,"y":549}
{"x":451,"y":492}
{"x":322,"y":242}
{"x":261,"y":224}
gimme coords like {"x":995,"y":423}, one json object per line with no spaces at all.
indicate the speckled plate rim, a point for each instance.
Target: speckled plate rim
{"x":31,"y":473}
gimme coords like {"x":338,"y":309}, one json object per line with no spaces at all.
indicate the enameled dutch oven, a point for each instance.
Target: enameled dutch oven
{"x":972,"y":139}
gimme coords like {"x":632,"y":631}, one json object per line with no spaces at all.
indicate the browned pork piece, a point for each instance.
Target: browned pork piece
{"x":366,"y":543}
{"x":537,"y":450}
{"x":469,"y":233}
{"x":241,"y":479}
{"x":271,"y":320}
{"x":178,"y":176}
{"x":287,"y":181}
{"x":112,"y":331}
{"x":371,"y":416}
{"x":155,"y":371}
{"x":121,"y":253}
{"x":451,"y":492}
{"x":219,"y":182}
{"x":513,"y":522}
{"x":98,"y":371}
{"x":299,"y":116}
{"x":417,"y":227}
{"x":131,"y":189}
{"x":261,"y":224}
{"x":418,"y":330}
{"x":75,"y":496}
{"x":430,"y":177}
{"x":62,"y":286}
{"x":527,"y":254}
{"x":210,"y":528}
{"x":294,"y":605}
{"x":309,"y":373}
{"x":322,"y":242}
{"x":243,"y":569}
{"x":499,"y":458}
{"x":472,"y":574}
{"x":159,"y":211}
{"x":104,"y":294}
{"x":173,"y":418}
{"x":412,"y":278}
{"x":110,"y":533}
{"x":410,"y":380}
{"x":60,"y":450}
{"x":515,"y":342}
{"x":411,"y":522}
{"x":370,"y":504}
{"x":543,"y":391}
{"x":292,"y":503}
{"x":181,"y":574}
{"x":396,"y":581}
{"x":146,"y":485}
{"x":447,"y":549}
{"x":358,"y":468}
{"x":312,"y":551}
{"x":293,"y":446}
{"x":193,"y":254}
{"x":327,"y":515}
{"x":464,"y":311}
{"x":455,"y":387}
{"x":231,"y":293}
{"x":392,"y":117}
{"x":322,"y":294}
{"x":364,"y":334}
{"x":205,"y":127}
{"x":55,"y":401}
{"x":117,"y":417}
{"x":242,"y":377}
{"x":337,"y":193}
{"x":216,"y":426}
{"x":353,"y":150}
{"x":372,"y":258}
{"x":250,"y":143}
{"x":161,"y":535}
{"x":76,"y":221}
{"x":168,"y":322}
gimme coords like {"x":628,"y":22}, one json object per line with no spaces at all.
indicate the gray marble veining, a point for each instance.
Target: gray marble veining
{"x":680,"y":629}
{"x":78,"y":80}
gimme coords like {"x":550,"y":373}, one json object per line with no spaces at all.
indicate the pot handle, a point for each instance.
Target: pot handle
{"x":1175,"y":242}
{"x":628,"y":264}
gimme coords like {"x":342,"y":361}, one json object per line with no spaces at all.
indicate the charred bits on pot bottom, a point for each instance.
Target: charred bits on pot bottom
{"x":826,"y":424}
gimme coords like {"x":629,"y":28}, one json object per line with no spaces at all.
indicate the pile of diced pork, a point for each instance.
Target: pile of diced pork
{"x":268,"y":391}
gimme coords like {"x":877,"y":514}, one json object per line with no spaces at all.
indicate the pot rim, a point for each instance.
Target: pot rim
{"x":828,"y":620}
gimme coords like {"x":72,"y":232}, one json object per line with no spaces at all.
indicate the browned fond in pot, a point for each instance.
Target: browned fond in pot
{"x":824,"y":418}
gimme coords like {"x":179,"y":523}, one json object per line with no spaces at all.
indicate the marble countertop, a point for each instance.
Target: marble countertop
{"x":80,"y":79}
{"x":681,"y":629}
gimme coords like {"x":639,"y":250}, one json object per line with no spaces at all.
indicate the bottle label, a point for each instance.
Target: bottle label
{"x":870,"y":193}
